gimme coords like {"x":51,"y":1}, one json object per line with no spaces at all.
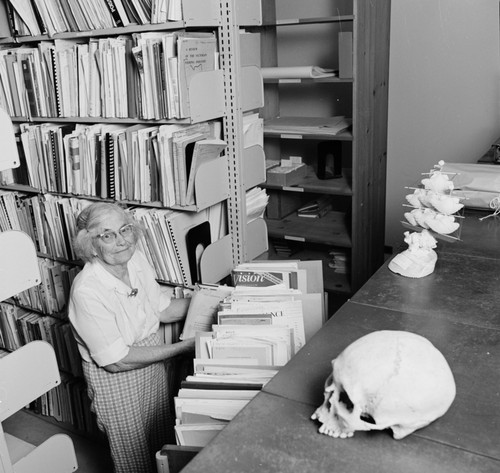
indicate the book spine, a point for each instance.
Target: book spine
{"x":57,"y":82}
{"x":114,"y":12}
{"x":38,"y":17}
{"x":180,"y":263}
{"x":110,"y":164}
{"x":132,"y":81}
{"x":29,"y":86}
{"x":97,"y":164}
{"x":67,"y":15}
{"x":55,"y":162}
{"x":9,"y":62}
{"x":131,"y":11}
{"x":33,"y":225}
{"x":74,"y":155}
{"x":12,"y":22}
{"x":143,"y":10}
{"x":104,"y":167}
{"x":176,"y":151}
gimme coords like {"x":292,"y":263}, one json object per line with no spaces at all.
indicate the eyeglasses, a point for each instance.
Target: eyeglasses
{"x":109,"y":237}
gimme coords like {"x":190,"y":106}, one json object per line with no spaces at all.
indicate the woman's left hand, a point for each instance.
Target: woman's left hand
{"x":176,"y":311}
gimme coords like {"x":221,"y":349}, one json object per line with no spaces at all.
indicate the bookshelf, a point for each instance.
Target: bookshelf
{"x":294,"y":33}
{"x":29,"y":372}
{"x":222,"y":96}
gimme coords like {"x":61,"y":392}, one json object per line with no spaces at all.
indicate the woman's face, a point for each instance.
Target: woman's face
{"x":114,"y":240}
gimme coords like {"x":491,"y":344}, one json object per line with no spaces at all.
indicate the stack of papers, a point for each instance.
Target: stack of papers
{"x":308,"y":125}
{"x":256,"y":203}
{"x":256,"y":329}
{"x":297,"y":72}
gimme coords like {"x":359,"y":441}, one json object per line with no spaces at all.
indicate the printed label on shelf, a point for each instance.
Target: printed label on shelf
{"x":291,"y":137}
{"x":279,"y":22}
{"x":293,"y":189}
{"x":294,"y":238}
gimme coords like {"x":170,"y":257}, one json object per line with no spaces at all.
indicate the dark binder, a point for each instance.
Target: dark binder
{"x":223,"y":386}
{"x":158,"y":68}
{"x":97,"y":163}
{"x":58,"y":159}
{"x":110,"y":164}
{"x":179,"y":224}
{"x":131,"y":11}
{"x":65,"y":230}
{"x":38,"y":17}
{"x":154,"y":170}
{"x":57,"y":82}
{"x":67,"y":13}
{"x":132,"y":80}
{"x":55,"y":173}
{"x":103,"y":191}
{"x":10,"y":13}
{"x":145,"y":7}
{"x":197,"y":240}
{"x":114,"y":12}
{"x":10,"y":59}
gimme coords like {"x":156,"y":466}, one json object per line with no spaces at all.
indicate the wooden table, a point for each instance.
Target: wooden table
{"x":457,"y":308}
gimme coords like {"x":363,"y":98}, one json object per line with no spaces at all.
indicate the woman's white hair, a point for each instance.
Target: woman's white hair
{"x":89,"y":218}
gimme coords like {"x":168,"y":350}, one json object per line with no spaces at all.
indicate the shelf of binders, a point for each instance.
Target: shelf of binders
{"x":206,"y":101}
{"x":21,"y":325}
{"x":116,"y":30}
{"x":196,"y":13}
{"x":206,"y":194}
{"x":179,"y":14}
{"x":152,"y":72}
{"x":217,"y":253}
{"x":171,"y":242}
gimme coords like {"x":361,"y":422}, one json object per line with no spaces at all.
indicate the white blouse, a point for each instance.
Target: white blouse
{"x":106,"y":318}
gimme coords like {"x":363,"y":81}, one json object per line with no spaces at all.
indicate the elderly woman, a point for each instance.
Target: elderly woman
{"x":115,"y":309}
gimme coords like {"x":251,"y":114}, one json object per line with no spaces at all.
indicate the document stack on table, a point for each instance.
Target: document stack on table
{"x":244,"y":334}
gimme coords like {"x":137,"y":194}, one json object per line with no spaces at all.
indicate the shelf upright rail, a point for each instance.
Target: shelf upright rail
{"x":233,"y":128}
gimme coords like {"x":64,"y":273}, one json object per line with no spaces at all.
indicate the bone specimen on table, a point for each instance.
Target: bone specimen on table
{"x":386,"y":380}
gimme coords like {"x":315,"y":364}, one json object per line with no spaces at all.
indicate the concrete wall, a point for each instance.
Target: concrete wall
{"x":444,"y":99}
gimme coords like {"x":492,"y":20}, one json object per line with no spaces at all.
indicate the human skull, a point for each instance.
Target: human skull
{"x":386,"y":380}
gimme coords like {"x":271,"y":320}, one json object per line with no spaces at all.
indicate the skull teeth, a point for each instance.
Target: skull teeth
{"x":334,"y":432}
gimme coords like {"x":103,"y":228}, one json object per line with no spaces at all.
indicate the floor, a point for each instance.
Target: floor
{"x":92,"y":457}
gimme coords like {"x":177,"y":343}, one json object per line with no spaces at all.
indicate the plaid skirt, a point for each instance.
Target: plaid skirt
{"x":133,"y":409}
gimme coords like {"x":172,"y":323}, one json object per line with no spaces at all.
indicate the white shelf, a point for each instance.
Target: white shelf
{"x":254,"y":166}
{"x":19,"y":269}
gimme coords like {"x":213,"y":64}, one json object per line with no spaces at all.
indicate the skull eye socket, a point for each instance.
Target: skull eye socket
{"x":365,"y":417}
{"x":344,"y":399}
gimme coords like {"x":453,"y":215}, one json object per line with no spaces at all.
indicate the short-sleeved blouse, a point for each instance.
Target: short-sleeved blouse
{"x":106,"y":318}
